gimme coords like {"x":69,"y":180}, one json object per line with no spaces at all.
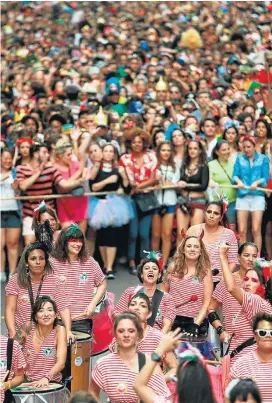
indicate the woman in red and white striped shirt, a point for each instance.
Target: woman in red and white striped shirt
{"x":215,"y":231}
{"x":258,"y":364}
{"x":254,"y":297}
{"x":140,"y":305}
{"x":150,"y":274}
{"x":45,"y":347}
{"x":115,"y":374}
{"x":235,"y":326}
{"x":79,"y":274}
{"x":34,"y":277}
{"x":189,"y":281}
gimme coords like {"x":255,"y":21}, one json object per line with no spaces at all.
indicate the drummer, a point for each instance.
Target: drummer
{"x":189,"y":281}
{"x":79,"y":274}
{"x":140,"y":305}
{"x":45,"y":347}
{"x":150,"y":275}
{"x":15,"y":376}
{"x":34,"y":277}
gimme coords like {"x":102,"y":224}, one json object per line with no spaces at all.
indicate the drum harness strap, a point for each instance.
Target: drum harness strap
{"x":247,"y":343}
{"x":8,"y":394}
{"x":156,"y":300}
{"x":30,"y":292}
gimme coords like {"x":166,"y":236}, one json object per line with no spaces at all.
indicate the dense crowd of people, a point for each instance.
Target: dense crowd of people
{"x":138,"y":133}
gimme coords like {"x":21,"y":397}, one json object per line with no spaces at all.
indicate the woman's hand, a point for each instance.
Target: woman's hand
{"x":90,"y":310}
{"x":254,"y":185}
{"x":182,"y":184}
{"x":4,"y":385}
{"x":169,"y":341}
{"x":223,"y":249}
{"x":71,"y":338}
{"x":41,"y":383}
{"x":240,"y":184}
{"x":224,"y":337}
{"x":112,"y":179}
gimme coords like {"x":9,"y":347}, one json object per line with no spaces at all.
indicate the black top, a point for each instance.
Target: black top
{"x":201,"y":177}
{"x":111,"y":187}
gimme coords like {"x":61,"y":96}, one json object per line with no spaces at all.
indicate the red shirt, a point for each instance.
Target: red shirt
{"x":166,"y":308}
{"x":44,"y":184}
{"x":249,"y":366}
{"x":135,"y":173}
{"x":79,"y":280}
{"x":50,"y":286}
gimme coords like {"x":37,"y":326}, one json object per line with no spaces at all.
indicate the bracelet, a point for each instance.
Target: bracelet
{"x":220,"y":330}
{"x":68,"y":332}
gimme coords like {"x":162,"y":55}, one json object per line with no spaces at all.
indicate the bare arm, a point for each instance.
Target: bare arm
{"x":172,"y":365}
{"x":61,"y":352}
{"x":26,"y":183}
{"x":100,"y":185}
{"x":94,"y":390}
{"x":208,"y":290}
{"x":10,"y":309}
{"x":66,"y":185}
{"x":167,"y":324}
{"x":149,"y":182}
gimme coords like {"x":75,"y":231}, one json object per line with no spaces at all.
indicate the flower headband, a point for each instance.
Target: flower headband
{"x":231,"y":123}
{"x":156,"y":255}
{"x":73,"y":231}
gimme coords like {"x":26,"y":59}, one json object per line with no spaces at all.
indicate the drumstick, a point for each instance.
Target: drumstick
{"x":193,"y":298}
{"x":5,"y":375}
{"x":213,"y":362}
{"x":78,"y":316}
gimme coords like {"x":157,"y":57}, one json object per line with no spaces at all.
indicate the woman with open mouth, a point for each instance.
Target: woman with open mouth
{"x":189,"y":281}
{"x":45,"y":347}
{"x":150,"y":275}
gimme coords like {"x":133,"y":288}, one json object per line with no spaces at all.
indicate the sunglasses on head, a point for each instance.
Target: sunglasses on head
{"x":256,"y":92}
{"x":254,"y":280}
{"x":264,"y":332}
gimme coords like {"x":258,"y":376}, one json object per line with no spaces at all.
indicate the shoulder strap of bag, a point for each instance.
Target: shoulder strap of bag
{"x":9,"y":353}
{"x":224,"y":171}
{"x":156,"y":300}
{"x":247,"y":343}
{"x":141,"y":361}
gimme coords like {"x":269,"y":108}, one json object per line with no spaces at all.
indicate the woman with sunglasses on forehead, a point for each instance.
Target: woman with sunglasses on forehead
{"x":216,"y":231}
{"x":34,"y":277}
{"x":189,"y":281}
{"x":150,"y":275}
{"x":140,"y":305}
{"x":258,"y":363}
{"x":79,"y":274}
{"x":115,"y":373}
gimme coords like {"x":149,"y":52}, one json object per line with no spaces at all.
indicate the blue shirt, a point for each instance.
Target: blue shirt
{"x":250,"y":173}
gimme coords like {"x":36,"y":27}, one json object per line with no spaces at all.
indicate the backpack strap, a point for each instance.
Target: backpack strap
{"x":156,"y":300}
{"x":141,"y":361}
{"x":9,"y":354}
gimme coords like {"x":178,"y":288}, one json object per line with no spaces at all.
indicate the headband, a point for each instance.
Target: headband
{"x":156,"y":255}
{"x":73,"y":231}
{"x":41,"y":208}
{"x":248,"y":138}
{"x":24,"y":140}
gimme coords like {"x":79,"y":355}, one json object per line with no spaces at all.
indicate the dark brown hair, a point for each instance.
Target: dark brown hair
{"x":131,"y":316}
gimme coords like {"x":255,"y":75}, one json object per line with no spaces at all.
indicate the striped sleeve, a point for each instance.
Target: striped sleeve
{"x":56,"y":176}
{"x":253,"y":304}
{"x":169,"y":307}
{"x":20,"y":175}
{"x":218,"y":292}
{"x":122,"y":305}
{"x":233,"y":248}
{"x":97,"y":376}
{"x":98,"y":274}
{"x":12,"y":286}
{"x":61,"y":297}
{"x":18,"y":360}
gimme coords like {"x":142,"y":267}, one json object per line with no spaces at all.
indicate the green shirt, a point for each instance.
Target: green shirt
{"x":222,"y":174}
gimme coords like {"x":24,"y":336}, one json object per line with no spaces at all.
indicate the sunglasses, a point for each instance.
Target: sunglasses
{"x":263,"y":332}
{"x":75,"y":240}
{"x":256,"y":92}
{"x":254,"y":280}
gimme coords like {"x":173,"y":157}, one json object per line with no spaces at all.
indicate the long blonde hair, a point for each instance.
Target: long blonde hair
{"x":180,"y":265}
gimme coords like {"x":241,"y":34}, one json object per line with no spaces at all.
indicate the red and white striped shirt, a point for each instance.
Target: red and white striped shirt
{"x":228,"y":236}
{"x":147,"y":345}
{"x":39,"y":364}
{"x":17,"y":364}
{"x":237,"y":318}
{"x":249,"y":366}
{"x":166,"y":308}
{"x":51,"y":286}
{"x":116,"y":380}
{"x":79,"y":279}
{"x":181,"y":290}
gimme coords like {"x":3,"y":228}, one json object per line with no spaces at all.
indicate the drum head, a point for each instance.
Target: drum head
{"x":81,"y":335}
{"x":26,"y":388}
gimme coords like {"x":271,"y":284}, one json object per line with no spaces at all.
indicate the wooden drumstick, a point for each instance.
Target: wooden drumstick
{"x":78,"y":316}
{"x":213,"y":362}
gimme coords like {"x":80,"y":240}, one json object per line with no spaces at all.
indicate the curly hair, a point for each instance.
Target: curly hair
{"x":180,"y":264}
{"x":60,"y":251}
{"x":22,"y":265}
{"x":129,"y":136}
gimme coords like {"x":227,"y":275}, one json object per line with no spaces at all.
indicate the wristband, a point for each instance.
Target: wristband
{"x":213,"y":316}
{"x":220,"y":330}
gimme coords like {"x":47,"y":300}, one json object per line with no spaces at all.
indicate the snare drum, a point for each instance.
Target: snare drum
{"x":78,"y":362}
{"x":53,"y":393}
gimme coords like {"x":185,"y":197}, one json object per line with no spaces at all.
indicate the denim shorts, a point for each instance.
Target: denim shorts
{"x":10,"y":219}
{"x":250,"y":203}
